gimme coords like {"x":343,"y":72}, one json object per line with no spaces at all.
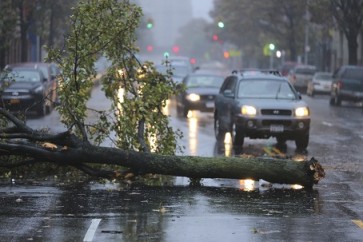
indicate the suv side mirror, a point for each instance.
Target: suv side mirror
{"x":228,"y":93}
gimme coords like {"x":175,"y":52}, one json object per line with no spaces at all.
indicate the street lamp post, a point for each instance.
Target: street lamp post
{"x":272,"y":48}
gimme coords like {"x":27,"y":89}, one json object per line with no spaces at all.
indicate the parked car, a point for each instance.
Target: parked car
{"x":261,"y":106}
{"x":300,"y":76}
{"x":199,"y":94}
{"x":50,"y":72}
{"x":321,"y":83}
{"x":25,"y":90}
{"x":347,"y":85}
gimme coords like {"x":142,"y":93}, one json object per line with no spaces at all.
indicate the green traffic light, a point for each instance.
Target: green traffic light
{"x":271,"y":46}
{"x":149,"y":25}
{"x":220,"y":24}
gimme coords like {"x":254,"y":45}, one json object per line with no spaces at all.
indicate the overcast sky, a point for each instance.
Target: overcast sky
{"x":201,"y":8}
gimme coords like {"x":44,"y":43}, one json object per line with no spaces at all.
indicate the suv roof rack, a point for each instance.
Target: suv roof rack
{"x":262,"y":71}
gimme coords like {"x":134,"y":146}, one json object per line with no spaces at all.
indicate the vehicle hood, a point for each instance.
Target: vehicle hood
{"x":273,"y":103}
{"x":23,"y":85}
{"x":203,"y":90}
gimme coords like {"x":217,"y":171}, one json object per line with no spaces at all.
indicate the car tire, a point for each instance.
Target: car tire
{"x":218,"y":131}
{"x":302,"y":142}
{"x":182,"y":111}
{"x":42,"y":109}
{"x":238,"y":136}
{"x":281,"y":140}
{"x":338,"y":100}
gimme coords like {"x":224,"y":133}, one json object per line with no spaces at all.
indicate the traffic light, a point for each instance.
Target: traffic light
{"x":215,"y":37}
{"x":220,"y":24}
{"x":271,"y":46}
{"x":175,"y":49}
{"x":149,"y":48}
{"x":226,"y":54}
{"x":150,"y":23}
{"x":193,"y":61}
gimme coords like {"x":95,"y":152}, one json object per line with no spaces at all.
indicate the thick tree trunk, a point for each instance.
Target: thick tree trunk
{"x":283,"y":171}
{"x":67,"y":149}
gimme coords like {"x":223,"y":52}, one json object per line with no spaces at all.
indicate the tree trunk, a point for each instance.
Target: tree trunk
{"x":68,"y":150}
{"x":352,"y":48}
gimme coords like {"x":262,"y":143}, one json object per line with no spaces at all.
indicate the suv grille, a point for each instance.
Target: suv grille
{"x":285,"y":123}
{"x":278,"y":112}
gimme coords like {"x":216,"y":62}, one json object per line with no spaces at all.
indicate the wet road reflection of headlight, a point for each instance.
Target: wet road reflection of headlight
{"x":193,"y":97}
{"x":302,"y":112}
{"x":248,"y":110}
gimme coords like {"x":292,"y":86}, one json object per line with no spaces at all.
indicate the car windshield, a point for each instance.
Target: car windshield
{"x":22,"y":76}
{"x":204,"y":81}
{"x":306,"y":71}
{"x":180,"y":70}
{"x":323,"y":76}
{"x":356,"y":74}
{"x":265,"y":89}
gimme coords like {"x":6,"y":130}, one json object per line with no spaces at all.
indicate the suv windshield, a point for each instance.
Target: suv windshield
{"x":356,"y":74}
{"x":204,"y":81}
{"x":23,"y":76}
{"x":265,"y":89}
{"x":305,"y":71}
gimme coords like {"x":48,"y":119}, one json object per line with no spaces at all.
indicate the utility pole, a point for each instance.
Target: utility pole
{"x":306,"y":45}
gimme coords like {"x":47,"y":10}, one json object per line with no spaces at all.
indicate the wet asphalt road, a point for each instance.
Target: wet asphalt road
{"x":220,"y":210}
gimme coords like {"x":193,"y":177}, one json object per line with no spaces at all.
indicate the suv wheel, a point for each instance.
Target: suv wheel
{"x":302,"y":142}
{"x":42,"y":109}
{"x":182,"y":111}
{"x":218,"y":131}
{"x":237,"y":135}
{"x":281,"y":140}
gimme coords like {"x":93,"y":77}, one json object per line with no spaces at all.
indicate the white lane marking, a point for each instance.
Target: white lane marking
{"x":327,"y":124}
{"x":91,"y":230}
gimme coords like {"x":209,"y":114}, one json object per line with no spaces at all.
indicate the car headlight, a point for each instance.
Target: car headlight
{"x":38,"y":89}
{"x":248,"y":110}
{"x":302,"y":112}
{"x":193,"y":97}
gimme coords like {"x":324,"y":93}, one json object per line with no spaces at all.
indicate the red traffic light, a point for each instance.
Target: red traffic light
{"x":149,"y":48}
{"x":193,"y":61}
{"x":175,"y":49}
{"x":215,"y":37}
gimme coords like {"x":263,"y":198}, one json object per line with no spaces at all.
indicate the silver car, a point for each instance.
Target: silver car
{"x":300,"y":76}
{"x":320,"y":84}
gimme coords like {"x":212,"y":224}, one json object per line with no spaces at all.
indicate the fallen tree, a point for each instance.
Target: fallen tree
{"x":67,"y":149}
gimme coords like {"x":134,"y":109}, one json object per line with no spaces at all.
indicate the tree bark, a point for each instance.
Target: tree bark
{"x":67,"y":149}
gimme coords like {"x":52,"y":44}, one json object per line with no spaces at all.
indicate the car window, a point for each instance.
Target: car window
{"x":305,"y":71}
{"x":265,"y":89}
{"x":180,"y":70}
{"x":24,"y":76}
{"x":204,"y":81}
{"x":353,"y":74}
{"x":229,"y":84}
{"x":323,"y":76}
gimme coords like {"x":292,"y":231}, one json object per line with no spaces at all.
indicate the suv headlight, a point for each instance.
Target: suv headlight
{"x":248,"y":110}
{"x":39,"y":89}
{"x":302,"y":112}
{"x":193,"y":97}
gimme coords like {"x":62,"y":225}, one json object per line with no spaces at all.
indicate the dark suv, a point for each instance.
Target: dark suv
{"x":24,"y":89}
{"x":261,"y":106}
{"x":347,"y":85}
